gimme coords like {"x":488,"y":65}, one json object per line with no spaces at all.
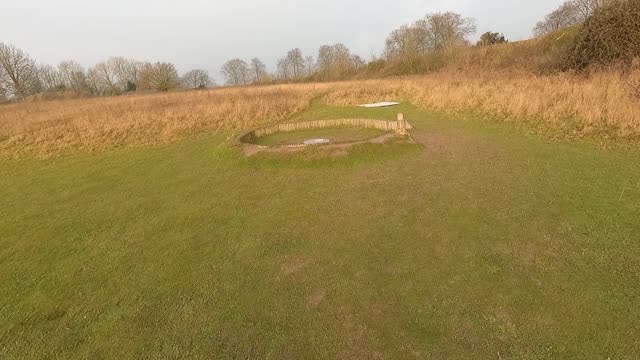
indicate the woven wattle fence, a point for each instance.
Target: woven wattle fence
{"x":400,"y":126}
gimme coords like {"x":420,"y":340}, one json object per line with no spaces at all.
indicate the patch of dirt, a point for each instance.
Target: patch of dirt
{"x":338,"y":152}
{"x":249,"y":150}
{"x":381,"y":139}
{"x":440,"y":143}
{"x":292,"y":265}
{"x":541,"y":253}
{"x":315,"y":298}
{"x":356,"y":330}
{"x":416,"y":354}
{"x":460,"y":146}
{"x":507,"y":329}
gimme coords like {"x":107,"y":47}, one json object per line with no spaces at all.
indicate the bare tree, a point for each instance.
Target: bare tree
{"x":334,"y":62}
{"x":342,"y":60}
{"x":73,"y":77}
{"x":325,"y":62}
{"x":125,"y":73}
{"x":196,"y":79}
{"x":161,"y":76}
{"x":18,"y":72}
{"x":296,"y":61}
{"x":358,"y":62}
{"x":258,"y":71}
{"x":585,"y":8}
{"x":407,"y":42}
{"x":433,"y":33}
{"x":104,"y":75}
{"x":166,"y":76}
{"x":570,"y":13}
{"x":113,"y":77}
{"x":292,"y":66}
{"x":50,"y":78}
{"x":564,"y":16}
{"x":284,"y":71}
{"x":446,"y":30}
{"x":236,"y":72}
{"x":309,"y":65}
{"x":96,"y":84}
{"x":145,"y":77}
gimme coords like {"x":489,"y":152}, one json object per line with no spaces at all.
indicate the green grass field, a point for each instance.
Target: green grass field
{"x":481,"y":241}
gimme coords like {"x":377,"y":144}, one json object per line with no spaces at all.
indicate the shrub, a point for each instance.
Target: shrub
{"x":131,"y":86}
{"x":611,"y":34}
{"x":491,"y":38}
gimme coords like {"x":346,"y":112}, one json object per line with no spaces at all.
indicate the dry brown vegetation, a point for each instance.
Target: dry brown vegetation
{"x":50,"y":127}
{"x":603,"y":103}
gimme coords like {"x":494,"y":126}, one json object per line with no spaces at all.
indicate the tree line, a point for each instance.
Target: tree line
{"x":21,"y":76}
{"x":333,"y":62}
{"x":407,"y":46}
{"x":570,"y":13}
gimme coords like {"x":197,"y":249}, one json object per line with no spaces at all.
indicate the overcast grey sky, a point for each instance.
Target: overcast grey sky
{"x":206,"y":33}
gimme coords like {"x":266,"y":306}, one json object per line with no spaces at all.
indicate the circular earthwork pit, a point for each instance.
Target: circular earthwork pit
{"x":325,"y":133}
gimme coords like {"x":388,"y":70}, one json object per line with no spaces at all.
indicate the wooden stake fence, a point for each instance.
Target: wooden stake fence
{"x":400,"y":126}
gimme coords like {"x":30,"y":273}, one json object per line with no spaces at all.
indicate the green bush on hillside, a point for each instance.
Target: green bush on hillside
{"x":611,"y":34}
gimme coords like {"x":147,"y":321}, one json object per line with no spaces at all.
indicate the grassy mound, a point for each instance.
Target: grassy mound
{"x":539,"y":55}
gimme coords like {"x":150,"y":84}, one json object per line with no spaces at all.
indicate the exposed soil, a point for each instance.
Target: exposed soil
{"x":292,"y":265}
{"x":315,"y":298}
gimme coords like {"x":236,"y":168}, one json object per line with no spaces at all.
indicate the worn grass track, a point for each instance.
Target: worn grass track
{"x":481,"y":242}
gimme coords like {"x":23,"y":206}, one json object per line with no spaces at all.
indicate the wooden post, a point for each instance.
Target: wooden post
{"x":402,"y":125}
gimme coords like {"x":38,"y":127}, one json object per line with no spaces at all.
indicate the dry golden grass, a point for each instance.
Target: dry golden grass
{"x":52,"y":127}
{"x":605,"y":102}
{"x":602,"y":103}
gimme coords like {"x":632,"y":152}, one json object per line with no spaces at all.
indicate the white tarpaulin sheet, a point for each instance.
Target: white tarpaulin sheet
{"x":316,"y":141}
{"x":380,"y":104}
